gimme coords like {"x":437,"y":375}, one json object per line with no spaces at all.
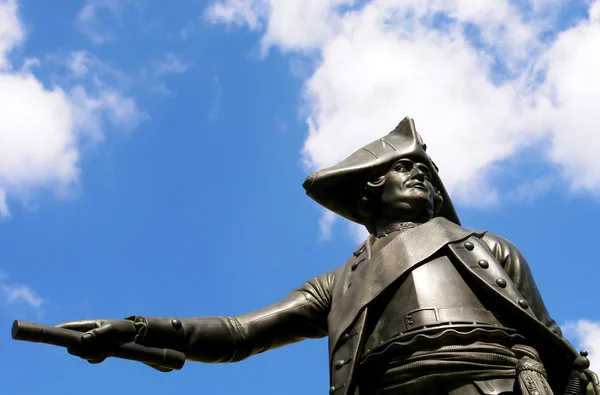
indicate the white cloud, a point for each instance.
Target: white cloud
{"x":358,"y":232}
{"x":4,"y":211}
{"x":530,"y":190}
{"x":80,"y":62}
{"x":290,"y":24}
{"x":474,"y":75}
{"x":37,"y":143}
{"x":11,"y":30}
{"x":586,"y":335}
{"x":325,"y":225}
{"x":171,"y":64}
{"x":89,"y":20}
{"x":42,"y":128}
{"x":573,"y":83}
{"x":238,"y":12}
{"x":13,"y":293}
{"x":89,"y":112}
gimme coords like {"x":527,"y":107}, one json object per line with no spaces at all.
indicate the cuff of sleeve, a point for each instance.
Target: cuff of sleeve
{"x":160,"y":332}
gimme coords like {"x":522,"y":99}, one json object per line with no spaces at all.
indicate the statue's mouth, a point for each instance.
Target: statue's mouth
{"x":416,"y":184}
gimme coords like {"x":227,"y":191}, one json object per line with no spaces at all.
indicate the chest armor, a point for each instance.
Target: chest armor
{"x":432,"y":297}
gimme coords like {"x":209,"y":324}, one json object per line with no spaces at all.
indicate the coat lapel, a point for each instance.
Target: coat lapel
{"x":407,"y":249}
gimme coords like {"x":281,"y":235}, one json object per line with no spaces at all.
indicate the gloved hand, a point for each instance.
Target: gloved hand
{"x":99,"y":336}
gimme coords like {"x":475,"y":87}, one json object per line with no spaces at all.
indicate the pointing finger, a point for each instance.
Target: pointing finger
{"x":80,"y":326}
{"x":97,"y":336}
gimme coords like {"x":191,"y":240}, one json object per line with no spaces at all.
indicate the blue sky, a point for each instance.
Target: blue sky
{"x":151,"y":160}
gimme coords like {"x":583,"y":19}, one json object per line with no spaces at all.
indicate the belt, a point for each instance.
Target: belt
{"x":420,"y":318}
{"x":430,"y":317}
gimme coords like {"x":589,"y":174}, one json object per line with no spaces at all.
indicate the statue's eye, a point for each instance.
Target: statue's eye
{"x":403,"y":167}
{"x":427,"y":174}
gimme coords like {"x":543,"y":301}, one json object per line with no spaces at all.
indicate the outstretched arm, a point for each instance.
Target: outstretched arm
{"x":301,"y":315}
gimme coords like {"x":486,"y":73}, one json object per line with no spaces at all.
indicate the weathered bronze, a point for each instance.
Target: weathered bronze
{"x":157,"y":357}
{"x":423,"y":306}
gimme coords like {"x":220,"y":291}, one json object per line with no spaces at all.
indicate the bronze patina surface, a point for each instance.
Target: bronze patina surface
{"x":423,"y":306}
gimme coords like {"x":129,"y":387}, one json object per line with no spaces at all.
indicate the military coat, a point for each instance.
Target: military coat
{"x":337,"y":304}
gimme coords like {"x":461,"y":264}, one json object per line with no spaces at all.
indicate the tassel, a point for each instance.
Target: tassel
{"x":532,"y":378}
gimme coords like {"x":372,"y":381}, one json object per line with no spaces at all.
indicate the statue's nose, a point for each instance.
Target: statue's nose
{"x":418,"y":174}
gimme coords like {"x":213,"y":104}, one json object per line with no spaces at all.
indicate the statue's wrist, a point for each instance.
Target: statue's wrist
{"x":159,"y":332}
{"x":140,"y":324}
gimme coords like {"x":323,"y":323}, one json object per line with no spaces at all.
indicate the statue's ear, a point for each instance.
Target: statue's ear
{"x":379,"y":181}
{"x":438,"y":202}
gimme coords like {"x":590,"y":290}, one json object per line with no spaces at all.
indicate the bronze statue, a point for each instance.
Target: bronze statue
{"x":423,"y":306}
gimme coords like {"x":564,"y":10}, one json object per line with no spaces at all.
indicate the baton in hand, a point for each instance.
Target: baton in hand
{"x":36,"y":333}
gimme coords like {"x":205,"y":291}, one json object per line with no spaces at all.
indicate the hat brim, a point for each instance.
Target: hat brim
{"x":339,"y":187}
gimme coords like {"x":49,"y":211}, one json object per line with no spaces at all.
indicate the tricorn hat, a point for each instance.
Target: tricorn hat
{"x":339,"y":187}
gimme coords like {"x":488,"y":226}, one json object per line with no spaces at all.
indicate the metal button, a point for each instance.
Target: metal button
{"x":348,"y":335}
{"x":331,"y":389}
{"x":483,"y":264}
{"x":501,"y":282}
{"x":469,"y":246}
{"x":176,"y":324}
{"x":339,"y":363}
{"x":523,"y":303}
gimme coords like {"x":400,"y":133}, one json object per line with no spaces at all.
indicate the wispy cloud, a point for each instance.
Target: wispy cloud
{"x":214,"y":110}
{"x":186,"y":32}
{"x":4,"y":211}
{"x":11,"y":30}
{"x":326,"y":224}
{"x":531,"y":189}
{"x":101,"y":21}
{"x":171,"y":64}
{"x":14,"y":293}
{"x":89,"y":19}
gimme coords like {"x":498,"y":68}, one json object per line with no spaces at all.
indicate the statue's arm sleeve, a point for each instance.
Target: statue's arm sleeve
{"x":301,"y":315}
{"x":518,"y":270}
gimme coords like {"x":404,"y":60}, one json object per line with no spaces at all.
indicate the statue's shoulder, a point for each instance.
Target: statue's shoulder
{"x":442,"y":224}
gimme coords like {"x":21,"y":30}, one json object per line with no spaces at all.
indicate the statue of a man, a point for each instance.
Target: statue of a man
{"x":423,"y":306}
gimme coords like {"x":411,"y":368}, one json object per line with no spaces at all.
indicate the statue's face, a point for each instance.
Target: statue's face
{"x":408,"y":190}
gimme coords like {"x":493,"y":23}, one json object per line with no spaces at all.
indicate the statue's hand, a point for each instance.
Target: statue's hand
{"x":99,"y":336}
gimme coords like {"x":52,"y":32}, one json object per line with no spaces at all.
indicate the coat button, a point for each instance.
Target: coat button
{"x":339,"y":363}
{"x":176,"y":324}
{"x":501,"y":283}
{"x":469,"y":246}
{"x":483,"y":264}
{"x":333,"y":389}
{"x":523,"y":303}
